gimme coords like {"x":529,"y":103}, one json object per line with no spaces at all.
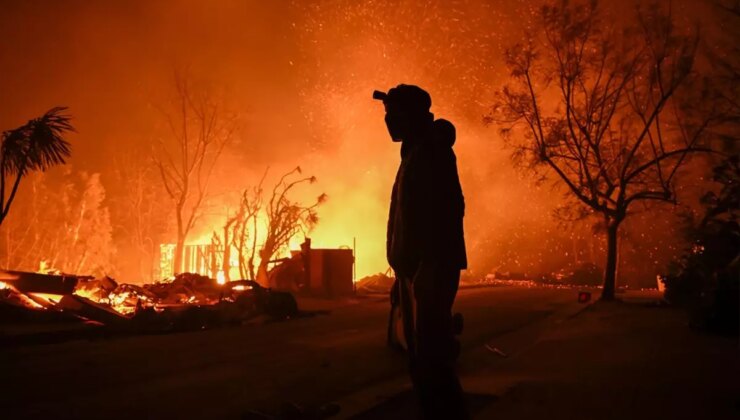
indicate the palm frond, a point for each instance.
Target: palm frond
{"x":38,"y":144}
{"x":13,"y":151}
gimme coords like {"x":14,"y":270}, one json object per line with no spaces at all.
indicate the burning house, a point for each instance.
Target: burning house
{"x":318,"y":272}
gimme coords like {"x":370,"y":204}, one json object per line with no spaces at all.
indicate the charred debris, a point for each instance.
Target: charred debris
{"x":186,"y":303}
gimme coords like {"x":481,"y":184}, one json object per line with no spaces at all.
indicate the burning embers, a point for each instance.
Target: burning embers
{"x":189,"y":301}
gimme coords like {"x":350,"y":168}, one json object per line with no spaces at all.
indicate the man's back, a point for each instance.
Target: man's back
{"x":427,"y":204}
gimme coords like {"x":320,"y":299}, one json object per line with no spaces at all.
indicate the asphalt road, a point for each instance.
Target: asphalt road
{"x":223,"y":373}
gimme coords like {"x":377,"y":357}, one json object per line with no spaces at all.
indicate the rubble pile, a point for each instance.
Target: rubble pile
{"x":377,"y":283}
{"x":187,"y":302}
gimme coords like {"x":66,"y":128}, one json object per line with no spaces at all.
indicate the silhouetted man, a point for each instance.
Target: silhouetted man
{"x":425,"y":246}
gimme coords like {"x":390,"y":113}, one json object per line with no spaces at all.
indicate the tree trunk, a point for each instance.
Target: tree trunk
{"x":612,"y":260}
{"x":226,"y":261}
{"x":252,"y":273}
{"x":5,"y":207}
{"x":266,"y":254}
{"x":250,"y":266}
{"x":262,"y":276}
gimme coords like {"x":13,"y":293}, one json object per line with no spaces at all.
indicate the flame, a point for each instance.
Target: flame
{"x":221,"y":277}
{"x":118,"y":303}
{"x":30,"y":301}
{"x":27,"y":300}
{"x":87,"y":294}
{"x":49,"y":298}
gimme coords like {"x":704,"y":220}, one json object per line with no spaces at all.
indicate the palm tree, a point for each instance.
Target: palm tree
{"x":35,"y":146}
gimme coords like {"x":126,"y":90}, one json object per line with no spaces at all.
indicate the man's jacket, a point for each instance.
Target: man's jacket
{"x":427,"y":205}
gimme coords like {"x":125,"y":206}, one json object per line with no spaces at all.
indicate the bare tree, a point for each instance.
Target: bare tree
{"x":723,"y":53}
{"x":228,"y":239}
{"x":141,"y":217}
{"x":245,"y":229}
{"x":199,"y":131}
{"x":601,"y":107}
{"x":73,"y":235}
{"x":34,"y":146}
{"x":88,"y":247}
{"x":240,"y":234}
{"x":285,"y":218}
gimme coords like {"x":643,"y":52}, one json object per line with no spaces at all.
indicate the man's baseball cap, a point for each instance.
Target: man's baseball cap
{"x":410,"y":98}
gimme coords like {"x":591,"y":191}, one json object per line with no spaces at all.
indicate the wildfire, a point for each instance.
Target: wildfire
{"x":47,"y":298}
{"x":125,"y":303}
{"x":25,"y":300}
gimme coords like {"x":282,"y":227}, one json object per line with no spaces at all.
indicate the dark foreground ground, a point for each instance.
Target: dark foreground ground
{"x":620,"y":361}
{"x":527,"y":354}
{"x":633,"y":359}
{"x":227,"y":372}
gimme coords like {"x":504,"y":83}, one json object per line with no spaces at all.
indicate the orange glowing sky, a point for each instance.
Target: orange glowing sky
{"x":299,"y":75}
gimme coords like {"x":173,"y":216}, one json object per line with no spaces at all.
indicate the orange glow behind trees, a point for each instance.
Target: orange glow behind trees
{"x":298,"y":77}
{"x":606,"y":109}
{"x":199,"y":131}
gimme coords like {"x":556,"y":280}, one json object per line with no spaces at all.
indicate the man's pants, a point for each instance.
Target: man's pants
{"x":432,"y":344}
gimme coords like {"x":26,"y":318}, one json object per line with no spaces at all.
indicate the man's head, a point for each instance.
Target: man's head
{"x":406,"y":110}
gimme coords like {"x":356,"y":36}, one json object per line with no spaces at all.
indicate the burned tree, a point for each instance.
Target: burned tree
{"x":228,"y":239}
{"x":244,"y":238}
{"x":601,"y":106}
{"x":74,"y":235}
{"x":263,"y":226}
{"x":84,"y":235}
{"x":285,"y":218}
{"x":239,"y":234}
{"x":34,"y":146}
{"x":198,"y":132}
{"x":141,"y":217}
